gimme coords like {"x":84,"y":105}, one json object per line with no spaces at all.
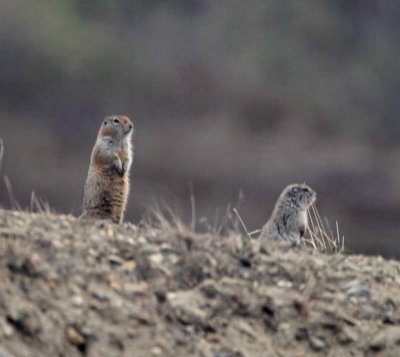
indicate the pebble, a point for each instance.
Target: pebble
{"x":77,"y":300}
{"x":354,"y":288}
{"x":8,"y":331}
{"x":156,"y":259}
{"x":316,"y":343}
{"x":347,"y":335}
{"x":378,"y":342}
{"x":115,"y":259}
{"x":156,"y":351}
{"x":24,"y":319}
{"x":128,"y":267}
{"x":99,"y":293}
{"x":187,"y":306}
{"x":284,"y":284}
{"x":110,"y":232}
{"x":74,"y":337}
{"x":140,"y":288}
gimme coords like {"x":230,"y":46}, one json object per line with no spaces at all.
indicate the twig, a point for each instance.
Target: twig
{"x":1,"y":153}
{"x":193,"y":206}
{"x":241,"y":221}
{"x":14,"y":203}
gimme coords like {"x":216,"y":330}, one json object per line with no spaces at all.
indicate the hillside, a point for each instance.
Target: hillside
{"x":72,"y":288}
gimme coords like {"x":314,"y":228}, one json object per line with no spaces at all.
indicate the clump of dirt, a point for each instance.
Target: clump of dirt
{"x":74,"y":288}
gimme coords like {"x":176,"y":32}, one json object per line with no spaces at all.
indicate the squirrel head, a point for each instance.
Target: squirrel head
{"x":302,"y":194}
{"x":116,"y":127}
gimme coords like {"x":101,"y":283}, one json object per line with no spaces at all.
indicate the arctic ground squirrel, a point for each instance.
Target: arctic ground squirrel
{"x":289,"y":220}
{"x":107,"y":184}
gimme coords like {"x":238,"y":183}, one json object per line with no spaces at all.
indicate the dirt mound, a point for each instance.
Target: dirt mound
{"x":72,"y":288}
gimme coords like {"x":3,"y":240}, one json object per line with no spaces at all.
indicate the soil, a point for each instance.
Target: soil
{"x":75,"y":288}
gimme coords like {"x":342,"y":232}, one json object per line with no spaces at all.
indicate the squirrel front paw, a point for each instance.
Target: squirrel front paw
{"x":119,"y":170}
{"x":118,"y":167}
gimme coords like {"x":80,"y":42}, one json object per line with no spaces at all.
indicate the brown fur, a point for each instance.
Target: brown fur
{"x":97,"y":160}
{"x":123,"y":155}
{"x":108,"y":132}
{"x":107,"y":185}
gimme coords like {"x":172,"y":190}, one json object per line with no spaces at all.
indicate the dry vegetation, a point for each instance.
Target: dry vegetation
{"x":1,"y":153}
{"x":321,"y":236}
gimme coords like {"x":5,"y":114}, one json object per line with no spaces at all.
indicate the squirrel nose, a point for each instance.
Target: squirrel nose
{"x":130,"y":126}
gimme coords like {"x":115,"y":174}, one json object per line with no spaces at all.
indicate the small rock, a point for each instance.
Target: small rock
{"x":24,"y":319}
{"x":100,"y":293}
{"x":367,"y":311}
{"x":213,"y":338}
{"x":188,"y":307}
{"x":316,"y":343}
{"x":92,"y":252}
{"x":8,"y":331}
{"x":156,"y":258}
{"x":354,"y":288}
{"x":77,"y":300}
{"x":156,"y":351}
{"x":347,"y":335}
{"x":110,"y":232}
{"x":140,"y":288}
{"x":128,"y":266}
{"x":74,"y":337}
{"x":116,"y":259}
{"x":378,"y":342}
{"x":137,"y":313}
{"x":227,"y":352}
{"x":285,"y":334}
{"x":284,"y":284}
{"x":26,"y":265}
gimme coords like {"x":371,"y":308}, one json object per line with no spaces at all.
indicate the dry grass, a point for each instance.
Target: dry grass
{"x":13,"y":201}
{"x":160,"y":215}
{"x":320,"y":234}
{"x":244,"y":240}
{"x":227,"y":226}
{"x":1,"y":153}
{"x":37,"y":204}
{"x":164,"y":218}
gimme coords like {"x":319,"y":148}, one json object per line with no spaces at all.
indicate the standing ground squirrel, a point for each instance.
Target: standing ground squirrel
{"x":107,"y":184}
{"x":289,"y":221}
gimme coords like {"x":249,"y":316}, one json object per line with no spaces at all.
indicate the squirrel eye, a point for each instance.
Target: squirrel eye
{"x":116,"y":121}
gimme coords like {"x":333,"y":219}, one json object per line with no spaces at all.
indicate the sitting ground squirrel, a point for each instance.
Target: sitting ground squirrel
{"x":289,"y":220}
{"x":107,"y":184}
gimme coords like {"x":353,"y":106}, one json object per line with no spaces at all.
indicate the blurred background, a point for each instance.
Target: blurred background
{"x":232,"y":97}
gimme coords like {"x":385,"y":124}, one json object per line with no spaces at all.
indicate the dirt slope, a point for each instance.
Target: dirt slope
{"x":70,"y":288}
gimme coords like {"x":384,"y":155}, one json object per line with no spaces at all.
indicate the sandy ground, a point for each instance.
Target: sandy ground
{"x":73,"y":288}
